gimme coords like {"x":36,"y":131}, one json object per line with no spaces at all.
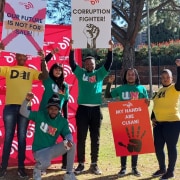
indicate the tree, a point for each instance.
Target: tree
{"x":58,"y":12}
{"x":160,"y":33}
{"x":131,"y":14}
{"x":169,"y":16}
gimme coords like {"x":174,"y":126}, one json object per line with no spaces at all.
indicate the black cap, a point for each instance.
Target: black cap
{"x":54,"y":101}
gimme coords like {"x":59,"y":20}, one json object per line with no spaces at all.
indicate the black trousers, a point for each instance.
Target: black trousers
{"x":88,"y":118}
{"x":134,"y":160}
{"x":166,"y":133}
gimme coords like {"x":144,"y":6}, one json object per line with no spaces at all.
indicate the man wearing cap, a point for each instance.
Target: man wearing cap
{"x":49,"y":125}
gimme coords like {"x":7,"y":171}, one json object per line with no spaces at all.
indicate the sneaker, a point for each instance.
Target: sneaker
{"x":2,"y":172}
{"x":69,"y":176}
{"x":167,"y":175}
{"x":135,"y":172}
{"x":79,"y":169}
{"x":122,"y":172}
{"x":43,"y":172}
{"x":63,"y":167}
{"x":94,"y":169}
{"x":22,"y":173}
{"x":158,"y":173}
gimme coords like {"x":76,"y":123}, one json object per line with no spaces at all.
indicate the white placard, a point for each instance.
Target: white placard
{"x":91,"y":23}
{"x":24,"y":26}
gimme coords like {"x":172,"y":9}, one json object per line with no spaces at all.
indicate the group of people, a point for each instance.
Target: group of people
{"x":165,"y":117}
{"x":51,"y":120}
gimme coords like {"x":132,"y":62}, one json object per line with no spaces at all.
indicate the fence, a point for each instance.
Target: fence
{"x":144,"y":74}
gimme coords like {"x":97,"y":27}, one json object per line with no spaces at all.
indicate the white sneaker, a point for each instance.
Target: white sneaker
{"x":43,"y":172}
{"x":70,"y":176}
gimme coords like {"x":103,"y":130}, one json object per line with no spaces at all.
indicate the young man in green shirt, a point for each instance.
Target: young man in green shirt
{"x":88,"y":114}
{"x":49,"y":125}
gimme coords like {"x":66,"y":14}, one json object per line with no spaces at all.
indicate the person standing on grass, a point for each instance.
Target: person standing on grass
{"x":130,"y":90}
{"x":88,"y":114}
{"x":49,"y":125}
{"x":166,"y":122}
{"x":55,"y":84}
{"x":19,"y":79}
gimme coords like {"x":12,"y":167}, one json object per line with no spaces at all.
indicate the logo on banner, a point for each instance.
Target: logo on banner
{"x":67,"y":70}
{"x":30,"y":131}
{"x":10,"y":58}
{"x":14,"y":147}
{"x":65,"y":43}
{"x":93,"y":2}
{"x":72,"y":128}
{"x":62,"y":45}
{"x":35,"y":100}
{"x":27,"y":5}
{"x":128,"y":104}
{"x":71,"y":99}
{"x":32,"y":66}
{"x":48,"y":43}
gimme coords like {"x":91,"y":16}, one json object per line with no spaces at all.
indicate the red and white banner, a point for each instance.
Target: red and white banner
{"x":24,"y":26}
{"x":131,"y":127}
{"x":55,"y":36}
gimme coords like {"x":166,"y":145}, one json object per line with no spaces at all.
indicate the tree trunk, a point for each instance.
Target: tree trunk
{"x":2,"y":3}
{"x":128,"y":56}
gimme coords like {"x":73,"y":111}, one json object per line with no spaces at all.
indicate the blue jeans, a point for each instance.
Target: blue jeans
{"x":11,"y":118}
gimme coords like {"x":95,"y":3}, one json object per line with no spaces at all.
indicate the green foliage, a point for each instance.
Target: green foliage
{"x":161,"y":33}
{"x":164,"y":53}
{"x":166,"y":16}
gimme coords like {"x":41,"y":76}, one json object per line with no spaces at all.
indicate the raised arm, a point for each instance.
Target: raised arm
{"x":23,"y":109}
{"x":44,"y":74}
{"x":107,"y":93}
{"x":1,"y":46}
{"x":65,"y":109}
{"x":50,"y":55}
{"x":72,"y":63}
{"x":177,"y":84}
{"x":109,"y":58}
